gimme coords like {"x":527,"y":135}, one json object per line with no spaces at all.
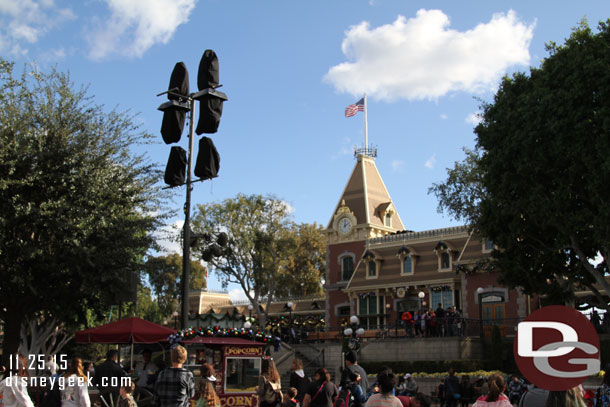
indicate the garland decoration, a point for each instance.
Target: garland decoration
{"x":216,"y":331}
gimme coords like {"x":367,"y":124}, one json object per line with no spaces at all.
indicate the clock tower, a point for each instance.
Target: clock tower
{"x":365,"y":210}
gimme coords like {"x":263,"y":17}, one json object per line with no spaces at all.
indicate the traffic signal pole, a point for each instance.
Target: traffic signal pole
{"x":186,"y":231}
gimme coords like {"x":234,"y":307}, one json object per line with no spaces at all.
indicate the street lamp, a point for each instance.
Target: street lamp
{"x":290,"y":305}
{"x":354,"y":331}
{"x":247,"y":325}
{"x":421,"y":296}
{"x":175,"y":316}
{"x":480,"y":298}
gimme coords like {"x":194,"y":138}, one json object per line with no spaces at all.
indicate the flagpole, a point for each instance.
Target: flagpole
{"x":366,"y":128}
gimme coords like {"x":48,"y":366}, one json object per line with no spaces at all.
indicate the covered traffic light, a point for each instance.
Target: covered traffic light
{"x":210,"y":100}
{"x":175,"y":172}
{"x":174,"y":111}
{"x":208,"y":160}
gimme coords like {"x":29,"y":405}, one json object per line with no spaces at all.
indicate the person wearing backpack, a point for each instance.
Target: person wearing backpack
{"x":290,"y":400}
{"x":269,"y":389}
{"x":322,"y":392}
{"x":350,"y":392}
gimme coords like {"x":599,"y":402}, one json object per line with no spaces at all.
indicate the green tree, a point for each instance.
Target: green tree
{"x":267,"y":255}
{"x":537,"y":183}
{"x":305,"y":262}
{"x":77,"y":210}
{"x":164,"y":275}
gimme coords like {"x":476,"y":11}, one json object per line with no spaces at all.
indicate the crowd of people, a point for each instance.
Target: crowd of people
{"x":430,"y":323}
{"x":175,"y":387}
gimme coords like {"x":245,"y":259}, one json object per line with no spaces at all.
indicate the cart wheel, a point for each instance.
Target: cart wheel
{"x":143,"y":397}
{"x":108,"y":401}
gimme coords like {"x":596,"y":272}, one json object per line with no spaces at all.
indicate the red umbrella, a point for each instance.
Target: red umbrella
{"x":128,"y":330}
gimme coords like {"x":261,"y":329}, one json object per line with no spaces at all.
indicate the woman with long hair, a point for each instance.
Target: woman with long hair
{"x":298,"y":379}
{"x":322,"y":392}
{"x":269,"y":387}
{"x":75,"y":392}
{"x":14,"y":386}
{"x":566,"y":398}
{"x":495,"y":397}
{"x":207,"y":395}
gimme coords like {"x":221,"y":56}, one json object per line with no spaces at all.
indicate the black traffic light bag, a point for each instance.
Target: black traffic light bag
{"x":208,"y":159}
{"x":173,"y":118}
{"x":175,"y":172}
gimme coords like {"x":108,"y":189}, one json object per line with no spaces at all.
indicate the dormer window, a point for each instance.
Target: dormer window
{"x":373,"y":264}
{"x":488,"y":245}
{"x":385,"y":212}
{"x":443,"y":252}
{"x":407,"y":261}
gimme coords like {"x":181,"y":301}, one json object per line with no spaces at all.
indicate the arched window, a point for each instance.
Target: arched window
{"x":347,"y":268}
{"x":407,"y":265}
{"x":372,"y":271}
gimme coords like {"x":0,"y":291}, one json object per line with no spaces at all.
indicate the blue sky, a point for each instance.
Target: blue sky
{"x":290,"y":69}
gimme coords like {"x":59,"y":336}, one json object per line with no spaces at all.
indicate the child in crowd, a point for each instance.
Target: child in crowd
{"x":126,"y":393}
{"x":291,"y":398}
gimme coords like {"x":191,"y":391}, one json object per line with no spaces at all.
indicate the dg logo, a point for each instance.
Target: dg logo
{"x":556,"y":348}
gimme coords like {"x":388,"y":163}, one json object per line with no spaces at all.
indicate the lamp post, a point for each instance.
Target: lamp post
{"x":290,"y":305}
{"x":354,"y":331}
{"x":175,"y":316}
{"x":421,"y":296}
{"x":481,"y":336}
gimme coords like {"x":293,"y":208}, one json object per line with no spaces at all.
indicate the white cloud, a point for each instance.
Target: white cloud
{"x":473,"y":118}
{"x":397,"y":165}
{"x":136,"y":25}
{"x":422,"y":58}
{"x":345,"y":149}
{"x":430,"y":162}
{"x":25,"y":22}
{"x":444,"y":116}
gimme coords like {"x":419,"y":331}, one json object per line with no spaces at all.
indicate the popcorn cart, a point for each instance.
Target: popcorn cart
{"x":237,"y":365}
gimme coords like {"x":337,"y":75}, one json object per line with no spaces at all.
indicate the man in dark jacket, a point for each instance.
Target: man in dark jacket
{"x":108,"y":376}
{"x":452,"y":388}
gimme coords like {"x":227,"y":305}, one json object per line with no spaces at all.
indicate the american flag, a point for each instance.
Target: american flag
{"x":351,"y":110}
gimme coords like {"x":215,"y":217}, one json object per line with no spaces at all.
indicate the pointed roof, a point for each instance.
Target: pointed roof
{"x":366,"y":196}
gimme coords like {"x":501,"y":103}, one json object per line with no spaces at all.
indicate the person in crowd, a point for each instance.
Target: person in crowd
{"x":290,"y":400}
{"x":410,"y":385}
{"x":352,"y":385}
{"x":440,"y":319}
{"x":351,"y":362}
{"x":567,"y":398}
{"x":75,"y":392}
{"x":50,"y":366}
{"x":417,"y":400}
{"x":126,"y":393}
{"x":466,"y":391}
{"x":298,"y":379}
{"x":440,"y":393}
{"x":145,"y":371}
{"x":14,"y":392}
{"x":495,"y":396}
{"x":386,"y":380}
{"x":207,"y":395}
{"x":401,"y":387}
{"x":480,"y":387}
{"x":108,"y":375}
{"x":407,"y":321}
{"x":322,"y":392}
{"x":514,"y":389}
{"x":432,"y":323}
{"x":450,"y":322}
{"x":269,"y":387}
{"x":452,"y":389}
{"x":602,"y":394}
{"x":424,"y":323}
{"x":417,"y":323}
{"x":175,"y":386}
{"x":534,"y":397}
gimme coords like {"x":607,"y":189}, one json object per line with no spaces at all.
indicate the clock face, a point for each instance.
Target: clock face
{"x":345,"y":226}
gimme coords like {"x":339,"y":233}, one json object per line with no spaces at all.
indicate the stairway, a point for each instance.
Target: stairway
{"x":310,"y":367}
